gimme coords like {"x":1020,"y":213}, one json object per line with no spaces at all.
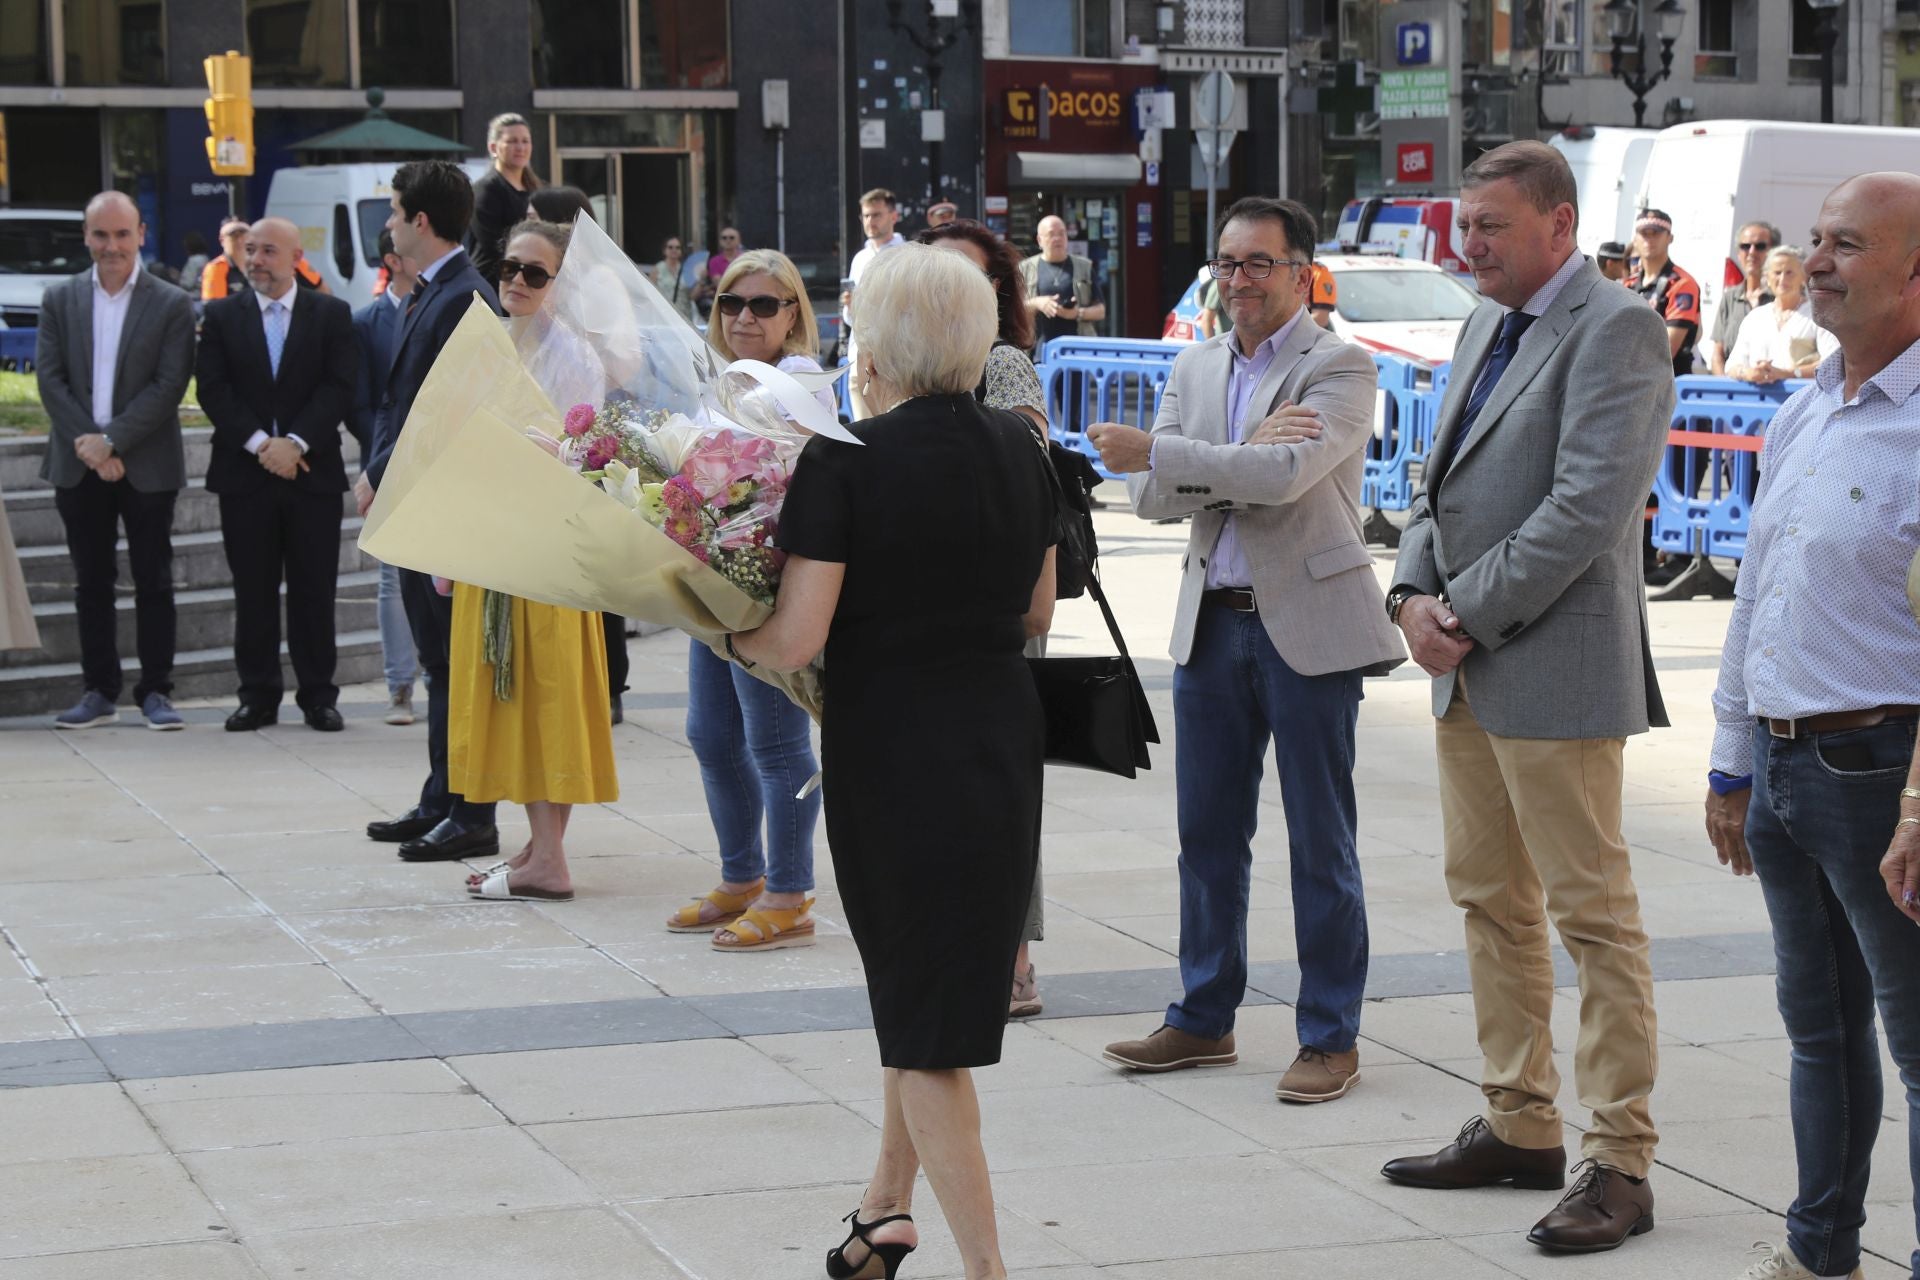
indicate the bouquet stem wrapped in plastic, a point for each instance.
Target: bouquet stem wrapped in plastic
{"x":667,"y":507}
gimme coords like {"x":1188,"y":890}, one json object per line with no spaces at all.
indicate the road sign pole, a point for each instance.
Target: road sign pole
{"x":1213,"y":196}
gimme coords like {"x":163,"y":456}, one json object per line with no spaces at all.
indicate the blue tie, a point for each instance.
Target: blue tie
{"x":1502,"y":355}
{"x":276,"y":334}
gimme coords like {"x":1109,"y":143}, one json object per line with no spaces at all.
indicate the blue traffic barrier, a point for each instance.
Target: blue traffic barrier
{"x":16,"y":349}
{"x":1710,"y":473}
{"x":1089,"y":380}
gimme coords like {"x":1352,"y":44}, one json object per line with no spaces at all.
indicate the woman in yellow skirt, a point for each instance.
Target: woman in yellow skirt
{"x":528,"y":718}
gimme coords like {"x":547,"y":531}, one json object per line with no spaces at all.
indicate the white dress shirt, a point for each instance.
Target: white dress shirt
{"x":258,"y":440}
{"x":1820,"y":621}
{"x":861,"y":261}
{"x":1783,"y":344}
{"x":109,"y":320}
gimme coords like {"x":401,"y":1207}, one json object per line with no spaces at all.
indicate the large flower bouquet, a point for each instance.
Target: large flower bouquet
{"x":676,"y":464}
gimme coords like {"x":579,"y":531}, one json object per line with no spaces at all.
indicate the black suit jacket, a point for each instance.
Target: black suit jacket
{"x":376,"y":325}
{"x":434,"y":313}
{"x":311,"y":397}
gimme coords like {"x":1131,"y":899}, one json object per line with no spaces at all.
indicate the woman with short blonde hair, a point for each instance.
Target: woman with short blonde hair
{"x":1779,"y":339}
{"x":922,"y":561}
{"x":802,"y":339}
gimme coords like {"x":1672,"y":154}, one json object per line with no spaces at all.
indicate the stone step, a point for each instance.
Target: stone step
{"x":204,"y":620}
{"x":35,"y":519}
{"x":51,"y":687}
{"x":199,"y":563}
{"x":20,"y":458}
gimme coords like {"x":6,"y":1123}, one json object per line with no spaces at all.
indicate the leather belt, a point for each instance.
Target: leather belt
{"x":1838,"y":721}
{"x":1239,"y":599}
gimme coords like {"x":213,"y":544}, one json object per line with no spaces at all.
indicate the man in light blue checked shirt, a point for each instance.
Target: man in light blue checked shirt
{"x":1817,"y":707}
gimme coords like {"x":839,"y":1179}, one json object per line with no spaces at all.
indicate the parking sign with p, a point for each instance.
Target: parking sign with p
{"x":1414,"y":44}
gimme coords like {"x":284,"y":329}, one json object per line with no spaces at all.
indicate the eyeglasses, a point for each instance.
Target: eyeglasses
{"x":765,"y":307}
{"x":1753,"y":246}
{"x":537,"y":277}
{"x":1252,"y":268}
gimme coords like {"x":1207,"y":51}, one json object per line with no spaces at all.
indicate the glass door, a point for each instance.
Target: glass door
{"x":598,"y":174}
{"x":1093,"y":219}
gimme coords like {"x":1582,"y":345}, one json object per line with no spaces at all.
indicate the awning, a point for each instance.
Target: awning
{"x":1034,"y":168}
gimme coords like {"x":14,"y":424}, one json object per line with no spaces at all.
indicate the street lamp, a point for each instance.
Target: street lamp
{"x":1624,"y":24}
{"x":1825,"y":35}
{"x":959,"y":17}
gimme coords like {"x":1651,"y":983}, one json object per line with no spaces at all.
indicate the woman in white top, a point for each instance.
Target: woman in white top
{"x":669,"y":277}
{"x":755,"y":748}
{"x":1779,"y":339}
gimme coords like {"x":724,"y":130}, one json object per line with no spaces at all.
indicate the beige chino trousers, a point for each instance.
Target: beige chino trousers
{"x":1532,"y":831}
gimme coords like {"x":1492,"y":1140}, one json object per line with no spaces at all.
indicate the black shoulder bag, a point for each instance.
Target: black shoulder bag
{"x":1096,"y":708}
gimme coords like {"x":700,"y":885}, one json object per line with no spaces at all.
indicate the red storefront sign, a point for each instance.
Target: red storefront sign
{"x":1413,"y":162}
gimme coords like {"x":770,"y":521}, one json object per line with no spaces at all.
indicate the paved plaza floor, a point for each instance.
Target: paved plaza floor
{"x":238,"y":1040}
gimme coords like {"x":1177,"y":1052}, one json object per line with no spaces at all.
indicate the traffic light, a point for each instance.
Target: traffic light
{"x":230,"y":114}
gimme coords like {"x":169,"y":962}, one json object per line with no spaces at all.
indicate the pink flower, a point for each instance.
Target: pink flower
{"x":579,"y":420}
{"x":686,"y":531}
{"x":600,"y":452}
{"x":725,"y":457}
{"x":738,"y":537}
{"x":681,"y":497}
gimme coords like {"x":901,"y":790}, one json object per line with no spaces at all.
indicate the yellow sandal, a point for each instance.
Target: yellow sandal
{"x":767,"y":929}
{"x":731,"y":906}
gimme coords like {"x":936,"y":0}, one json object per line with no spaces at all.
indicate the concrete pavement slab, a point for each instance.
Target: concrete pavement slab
{"x":39,"y":1063}
{"x":457,"y":1033}
{"x":114,"y":1004}
{"x":70,"y":1122}
{"x":199,"y":1261}
{"x":561,"y":1244}
{"x":493,"y":980}
{"x":260,"y":1047}
{"x":631,"y":1080}
{"x":64,"y":1206}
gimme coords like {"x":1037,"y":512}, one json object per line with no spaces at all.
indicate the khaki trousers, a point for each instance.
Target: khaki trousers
{"x":1533,"y":830}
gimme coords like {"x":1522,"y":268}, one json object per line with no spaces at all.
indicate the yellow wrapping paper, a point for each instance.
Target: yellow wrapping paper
{"x":468,"y":496}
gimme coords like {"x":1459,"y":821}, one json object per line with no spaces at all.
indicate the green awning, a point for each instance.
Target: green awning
{"x":378,"y":134}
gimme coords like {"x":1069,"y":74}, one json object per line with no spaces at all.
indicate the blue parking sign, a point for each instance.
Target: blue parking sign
{"x":1414,"y":43}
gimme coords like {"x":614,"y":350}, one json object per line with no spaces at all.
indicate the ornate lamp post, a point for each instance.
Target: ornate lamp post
{"x":1624,"y":24}
{"x":947,"y":21}
{"x":1825,"y":35}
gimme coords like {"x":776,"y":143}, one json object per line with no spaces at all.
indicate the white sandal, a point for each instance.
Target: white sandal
{"x":496,"y":888}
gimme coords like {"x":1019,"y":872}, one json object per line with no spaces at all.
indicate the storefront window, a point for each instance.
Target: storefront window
{"x":1044,"y":28}
{"x":298,"y":43}
{"x":406,"y":43}
{"x":683,"y":44}
{"x":115,"y":43}
{"x":23,"y":42}
{"x":624,"y":129}
{"x":579,"y":44}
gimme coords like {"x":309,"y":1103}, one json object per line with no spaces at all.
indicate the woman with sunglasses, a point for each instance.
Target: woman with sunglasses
{"x":755,"y":748}
{"x":669,"y":277}
{"x":527,"y":677}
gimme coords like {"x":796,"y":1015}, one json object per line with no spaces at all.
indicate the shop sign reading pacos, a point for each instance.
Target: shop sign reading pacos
{"x":1062,"y":106}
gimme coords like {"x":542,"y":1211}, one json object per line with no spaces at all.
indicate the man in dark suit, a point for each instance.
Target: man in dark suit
{"x":112,"y":360}
{"x":432,"y":207}
{"x":277,"y":370}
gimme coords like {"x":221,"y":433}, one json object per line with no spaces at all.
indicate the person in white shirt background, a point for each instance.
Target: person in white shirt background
{"x":1779,"y":339}
{"x":879,"y":215}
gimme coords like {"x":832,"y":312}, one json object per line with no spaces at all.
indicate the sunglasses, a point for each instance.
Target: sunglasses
{"x":1752,"y":246}
{"x":537,"y":277}
{"x":766,"y":306}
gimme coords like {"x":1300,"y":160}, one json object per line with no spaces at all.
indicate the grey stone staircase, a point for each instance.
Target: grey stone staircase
{"x":42,"y":681}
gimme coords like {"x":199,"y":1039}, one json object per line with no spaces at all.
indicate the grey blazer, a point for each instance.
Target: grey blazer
{"x":1297,"y":505}
{"x":150,"y":374}
{"x":1533,"y":533}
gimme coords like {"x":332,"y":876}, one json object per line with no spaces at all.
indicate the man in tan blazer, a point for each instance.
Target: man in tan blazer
{"x":1260,"y":438}
{"x":1518,"y":587}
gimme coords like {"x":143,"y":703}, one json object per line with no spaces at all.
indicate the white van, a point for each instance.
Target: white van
{"x":1608,"y":164}
{"x":340,"y":209}
{"x":38,"y":249}
{"x":1715,"y":175}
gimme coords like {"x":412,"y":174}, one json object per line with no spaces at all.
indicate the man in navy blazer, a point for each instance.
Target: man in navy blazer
{"x":432,"y":207}
{"x":377,"y":327}
{"x":276,"y":376}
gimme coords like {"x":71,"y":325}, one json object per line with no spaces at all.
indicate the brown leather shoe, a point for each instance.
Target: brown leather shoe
{"x":1319,"y":1076}
{"x":1602,"y":1208}
{"x":1478,"y":1159}
{"x":1171,"y":1049}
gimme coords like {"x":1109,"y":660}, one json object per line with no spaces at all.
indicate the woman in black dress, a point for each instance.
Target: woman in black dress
{"x":500,"y":194}
{"x":922,"y":561}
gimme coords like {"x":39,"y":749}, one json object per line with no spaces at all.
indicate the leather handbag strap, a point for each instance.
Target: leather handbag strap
{"x":1093,"y":573}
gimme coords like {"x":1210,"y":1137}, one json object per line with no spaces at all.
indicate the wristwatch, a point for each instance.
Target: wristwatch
{"x":1397,"y":597}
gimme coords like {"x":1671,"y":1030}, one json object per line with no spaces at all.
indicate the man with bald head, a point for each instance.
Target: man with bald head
{"x":1817,"y":706}
{"x":113,"y":356}
{"x":1062,"y":292}
{"x":278,"y":369}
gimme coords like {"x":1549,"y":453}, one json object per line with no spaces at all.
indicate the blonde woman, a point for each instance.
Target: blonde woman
{"x":500,"y":195}
{"x":1779,"y":339}
{"x":528,"y":680}
{"x":755,"y":748}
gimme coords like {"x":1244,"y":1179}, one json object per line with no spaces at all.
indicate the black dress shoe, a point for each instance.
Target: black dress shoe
{"x":325,"y":719}
{"x":1601,"y":1210}
{"x":449,"y":842}
{"x":247,"y":718}
{"x":1478,"y":1159}
{"x":410,"y":825}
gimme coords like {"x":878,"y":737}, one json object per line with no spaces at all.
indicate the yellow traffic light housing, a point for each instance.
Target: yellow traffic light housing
{"x":230,"y":114}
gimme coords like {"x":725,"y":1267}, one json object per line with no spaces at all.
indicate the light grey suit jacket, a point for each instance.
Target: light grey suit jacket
{"x":1297,"y":505}
{"x":150,"y":374}
{"x":1533,"y":531}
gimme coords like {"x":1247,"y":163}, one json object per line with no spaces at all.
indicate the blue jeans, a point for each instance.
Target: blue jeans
{"x":1231,"y":697}
{"x":396,"y":637}
{"x":755,"y":750}
{"x":1817,"y":833}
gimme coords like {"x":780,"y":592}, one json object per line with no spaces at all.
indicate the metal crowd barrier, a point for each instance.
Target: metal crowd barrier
{"x":16,"y":349}
{"x":1089,"y":380}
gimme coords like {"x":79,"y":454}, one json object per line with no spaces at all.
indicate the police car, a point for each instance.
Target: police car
{"x":1391,"y":305}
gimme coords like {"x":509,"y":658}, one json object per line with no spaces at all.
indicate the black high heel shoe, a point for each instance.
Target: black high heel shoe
{"x":889,"y":1256}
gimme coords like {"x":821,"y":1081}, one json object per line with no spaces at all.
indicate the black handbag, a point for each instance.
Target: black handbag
{"x":1096,"y":709}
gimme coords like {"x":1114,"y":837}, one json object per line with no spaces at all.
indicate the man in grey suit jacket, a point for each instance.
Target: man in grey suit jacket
{"x":1518,"y":588}
{"x":1260,"y":436}
{"x":113,"y":356}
